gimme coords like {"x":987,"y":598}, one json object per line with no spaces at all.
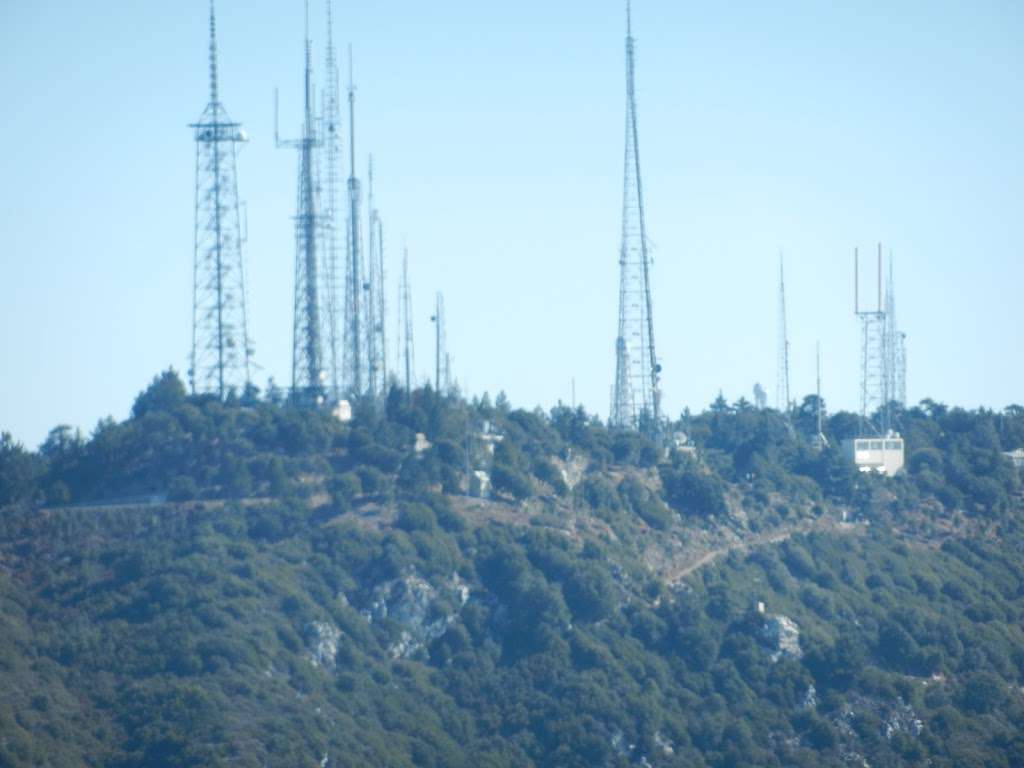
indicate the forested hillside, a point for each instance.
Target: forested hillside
{"x":452,"y":583}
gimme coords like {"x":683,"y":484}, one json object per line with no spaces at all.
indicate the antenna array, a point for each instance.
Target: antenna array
{"x":221,"y":353}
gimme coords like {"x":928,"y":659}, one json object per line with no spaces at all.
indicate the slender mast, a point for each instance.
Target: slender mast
{"x":636,"y":393}
{"x":782,"y":395}
{"x":332,"y":141}
{"x":406,"y":304}
{"x":354,"y":318}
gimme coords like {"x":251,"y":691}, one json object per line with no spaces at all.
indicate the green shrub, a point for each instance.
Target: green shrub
{"x":416,"y":517}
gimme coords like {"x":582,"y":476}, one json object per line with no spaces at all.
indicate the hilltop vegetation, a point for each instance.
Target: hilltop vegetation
{"x":311,"y":590}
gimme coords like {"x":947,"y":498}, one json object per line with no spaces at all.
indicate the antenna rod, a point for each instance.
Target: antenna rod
{"x":856,"y":282}
{"x":406,"y":304}
{"x":354,"y":328}
{"x":330,"y":119}
{"x":213,"y":55}
{"x":879,"y":278}
{"x":351,"y":113}
{"x":818,"y":369}
{"x":277,"y":132}
{"x":437,"y":343}
{"x":782,"y":395}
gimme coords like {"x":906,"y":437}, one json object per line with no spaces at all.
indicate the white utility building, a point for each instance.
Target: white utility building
{"x":884,"y":455}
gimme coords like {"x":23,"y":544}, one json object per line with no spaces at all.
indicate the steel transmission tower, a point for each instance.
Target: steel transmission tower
{"x":376,"y":342}
{"x":874,"y":357}
{"x":221,"y":352}
{"x":442,"y":360}
{"x":782,"y":399}
{"x":901,"y":368}
{"x":820,"y":441}
{"x":331,"y":124}
{"x":355,"y":353}
{"x":896,"y":351}
{"x":308,"y":374}
{"x":636,"y":397}
{"x":406,"y":350}
{"x":382,"y":308}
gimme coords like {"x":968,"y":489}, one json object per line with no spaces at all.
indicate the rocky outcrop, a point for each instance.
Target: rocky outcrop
{"x":322,"y":643}
{"x":422,"y":612}
{"x":782,"y":636}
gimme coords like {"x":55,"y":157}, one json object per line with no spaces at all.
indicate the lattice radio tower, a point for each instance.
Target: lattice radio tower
{"x":896,"y":347}
{"x":782,"y":398}
{"x":331,"y":125}
{"x":820,"y":441}
{"x":636,"y":397}
{"x":442,"y":360}
{"x":376,"y":340}
{"x":406,"y":348}
{"x":874,"y":357}
{"x":354,"y":356}
{"x":221,"y":352}
{"x":308,"y":374}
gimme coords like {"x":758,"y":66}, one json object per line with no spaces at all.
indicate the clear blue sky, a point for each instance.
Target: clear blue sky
{"x":497,"y":130}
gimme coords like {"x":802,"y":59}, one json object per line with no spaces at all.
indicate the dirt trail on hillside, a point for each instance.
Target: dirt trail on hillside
{"x":694,"y":562}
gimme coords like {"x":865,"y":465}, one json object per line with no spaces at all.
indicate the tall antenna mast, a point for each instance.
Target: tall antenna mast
{"x":307,"y":355}
{"x":782,"y":397}
{"x":636,"y":395}
{"x":405,"y":323}
{"x":820,"y":440}
{"x":375,"y":341}
{"x":354,"y":282}
{"x":221,"y":351}
{"x":332,"y":215}
{"x":373,"y":364}
{"x":442,"y":362}
{"x":380,"y":325}
{"x":895,"y":341}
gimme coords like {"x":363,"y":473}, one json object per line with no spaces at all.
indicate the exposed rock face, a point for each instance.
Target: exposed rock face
{"x":903,"y":719}
{"x":423,"y":612}
{"x":618,"y":742}
{"x":322,"y":643}
{"x":782,"y":635}
{"x":810,"y":700}
{"x":665,"y":744}
{"x":894,"y":716}
{"x":422,"y":444}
